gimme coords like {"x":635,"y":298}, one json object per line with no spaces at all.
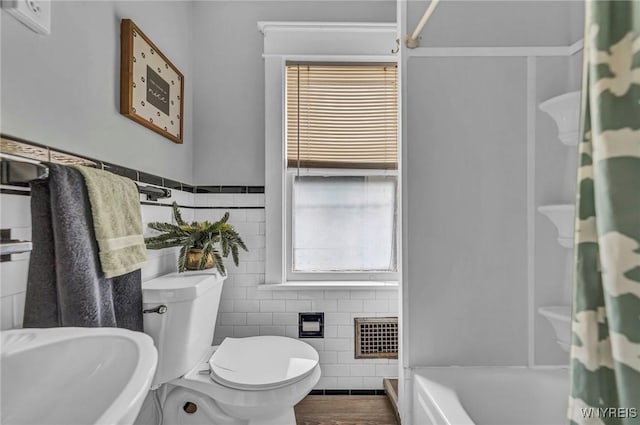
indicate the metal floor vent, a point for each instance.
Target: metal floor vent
{"x":376,"y":337}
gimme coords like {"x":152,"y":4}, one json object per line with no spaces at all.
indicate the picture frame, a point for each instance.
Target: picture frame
{"x":151,"y":87}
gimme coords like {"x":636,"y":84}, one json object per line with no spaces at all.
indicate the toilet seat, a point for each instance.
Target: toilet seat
{"x":261,"y":362}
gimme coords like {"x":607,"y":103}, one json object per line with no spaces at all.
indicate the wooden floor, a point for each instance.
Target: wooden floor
{"x":345,"y":410}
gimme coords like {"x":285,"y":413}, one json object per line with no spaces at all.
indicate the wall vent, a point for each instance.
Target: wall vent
{"x":376,"y":337}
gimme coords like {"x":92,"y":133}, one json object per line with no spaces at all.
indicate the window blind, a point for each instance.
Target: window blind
{"x":342,"y":115}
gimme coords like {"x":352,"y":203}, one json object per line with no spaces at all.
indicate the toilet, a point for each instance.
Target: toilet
{"x":243,"y":381}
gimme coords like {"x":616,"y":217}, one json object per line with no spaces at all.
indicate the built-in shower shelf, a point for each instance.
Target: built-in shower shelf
{"x":565,"y":111}
{"x":560,"y":318}
{"x":563,"y":217}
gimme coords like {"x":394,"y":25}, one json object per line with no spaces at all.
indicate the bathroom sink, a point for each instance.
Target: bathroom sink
{"x":74,"y":375}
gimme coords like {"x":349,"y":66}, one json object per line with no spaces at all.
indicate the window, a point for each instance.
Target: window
{"x":341,"y":149}
{"x":331,"y":152}
{"x":343,"y":223}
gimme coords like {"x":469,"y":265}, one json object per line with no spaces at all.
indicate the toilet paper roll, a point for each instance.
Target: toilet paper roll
{"x":310,"y":326}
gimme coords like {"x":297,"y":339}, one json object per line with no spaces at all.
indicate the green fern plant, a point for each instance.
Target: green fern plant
{"x":216,"y":240}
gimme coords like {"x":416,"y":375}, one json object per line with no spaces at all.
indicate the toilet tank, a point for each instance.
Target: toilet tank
{"x":184,"y":332}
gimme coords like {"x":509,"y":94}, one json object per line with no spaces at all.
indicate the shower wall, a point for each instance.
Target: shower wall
{"x":479,"y":159}
{"x":466,"y":182}
{"x":555,"y":181}
{"x":500,"y":23}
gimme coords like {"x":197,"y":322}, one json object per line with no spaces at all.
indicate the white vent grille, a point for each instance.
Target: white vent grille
{"x":376,"y":337}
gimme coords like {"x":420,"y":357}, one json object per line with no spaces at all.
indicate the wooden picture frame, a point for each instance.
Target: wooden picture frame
{"x":151,"y":87}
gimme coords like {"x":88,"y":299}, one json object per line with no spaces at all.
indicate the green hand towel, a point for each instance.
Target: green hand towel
{"x":115,"y":208}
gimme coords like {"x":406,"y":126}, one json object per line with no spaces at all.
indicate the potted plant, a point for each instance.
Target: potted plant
{"x":203,"y":244}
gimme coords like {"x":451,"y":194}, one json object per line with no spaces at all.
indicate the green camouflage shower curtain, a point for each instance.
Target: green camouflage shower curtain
{"x":605,"y":355}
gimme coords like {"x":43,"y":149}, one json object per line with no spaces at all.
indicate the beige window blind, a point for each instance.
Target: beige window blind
{"x":342,"y":115}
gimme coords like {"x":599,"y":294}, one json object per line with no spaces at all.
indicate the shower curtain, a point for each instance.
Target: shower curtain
{"x":605,"y":352}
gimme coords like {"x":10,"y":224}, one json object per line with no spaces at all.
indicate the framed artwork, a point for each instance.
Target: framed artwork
{"x":151,"y":87}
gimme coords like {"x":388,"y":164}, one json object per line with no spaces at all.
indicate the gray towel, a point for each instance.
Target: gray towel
{"x":66,"y":286}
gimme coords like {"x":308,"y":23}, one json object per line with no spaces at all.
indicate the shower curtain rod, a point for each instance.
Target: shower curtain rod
{"x":413,"y":39}
{"x":18,"y":170}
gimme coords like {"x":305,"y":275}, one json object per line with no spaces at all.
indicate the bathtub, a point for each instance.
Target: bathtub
{"x":489,"y":396}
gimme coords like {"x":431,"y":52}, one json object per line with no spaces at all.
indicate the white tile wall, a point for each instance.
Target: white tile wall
{"x":15,"y":214}
{"x":248,"y":310}
{"x":164,"y":261}
{"x":245,"y":309}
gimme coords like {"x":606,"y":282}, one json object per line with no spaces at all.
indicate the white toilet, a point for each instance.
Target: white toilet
{"x":243,"y":381}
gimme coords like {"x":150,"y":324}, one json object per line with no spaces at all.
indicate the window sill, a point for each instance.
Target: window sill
{"x":328,"y":285}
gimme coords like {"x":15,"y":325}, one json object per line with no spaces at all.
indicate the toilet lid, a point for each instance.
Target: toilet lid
{"x":262,"y":362}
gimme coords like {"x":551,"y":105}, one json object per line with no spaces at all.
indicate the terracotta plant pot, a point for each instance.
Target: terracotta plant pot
{"x":193,"y":260}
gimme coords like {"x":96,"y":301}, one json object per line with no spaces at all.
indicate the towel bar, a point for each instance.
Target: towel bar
{"x":14,"y":247}
{"x":18,"y":171}
{"x":10,"y":246}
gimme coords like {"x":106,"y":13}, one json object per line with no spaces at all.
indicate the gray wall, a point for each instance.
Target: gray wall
{"x":229,"y":74}
{"x":63,"y":89}
{"x":212,"y":43}
{"x":466,"y":211}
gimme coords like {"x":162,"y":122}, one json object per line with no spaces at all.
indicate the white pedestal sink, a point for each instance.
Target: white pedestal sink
{"x":75,"y":376}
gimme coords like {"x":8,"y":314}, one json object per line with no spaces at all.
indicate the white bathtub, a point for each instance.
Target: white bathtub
{"x":489,"y":396}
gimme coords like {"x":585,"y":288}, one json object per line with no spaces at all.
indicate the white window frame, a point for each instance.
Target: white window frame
{"x":313,"y":42}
